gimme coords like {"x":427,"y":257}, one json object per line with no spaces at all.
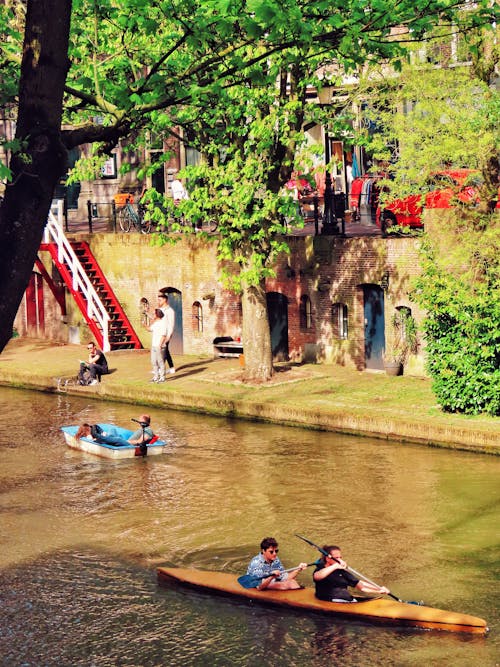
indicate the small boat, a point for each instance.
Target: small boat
{"x":110,"y":451}
{"x":374,"y":610}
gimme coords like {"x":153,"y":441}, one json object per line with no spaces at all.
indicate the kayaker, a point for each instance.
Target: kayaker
{"x":332,"y":579}
{"x":268,"y":565}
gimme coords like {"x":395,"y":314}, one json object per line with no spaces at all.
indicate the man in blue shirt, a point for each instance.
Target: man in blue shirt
{"x":268,"y":566}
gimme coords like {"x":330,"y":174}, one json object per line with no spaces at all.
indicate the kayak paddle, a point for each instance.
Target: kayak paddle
{"x":252,"y":581}
{"x":350,"y":569}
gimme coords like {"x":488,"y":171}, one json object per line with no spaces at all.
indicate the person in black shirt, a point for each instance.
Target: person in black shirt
{"x":332,"y":579}
{"x":98,"y":364}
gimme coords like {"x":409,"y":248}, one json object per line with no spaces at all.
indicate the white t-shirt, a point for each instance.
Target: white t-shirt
{"x":158,"y":330}
{"x":169,"y":319}
{"x":178,"y":190}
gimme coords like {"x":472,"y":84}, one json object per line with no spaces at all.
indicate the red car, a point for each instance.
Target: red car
{"x":449,"y":185}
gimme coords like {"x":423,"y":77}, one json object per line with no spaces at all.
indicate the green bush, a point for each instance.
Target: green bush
{"x":460,"y":290}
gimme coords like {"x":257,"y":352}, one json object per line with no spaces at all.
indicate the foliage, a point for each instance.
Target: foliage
{"x":134,"y":68}
{"x":432,"y":118}
{"x":460,"y":288}
{"x":397,"y":230}
{"x":451,"y":120}
{"x":403,"y":340}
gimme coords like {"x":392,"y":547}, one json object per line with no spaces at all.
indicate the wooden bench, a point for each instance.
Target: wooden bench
{"x":225,"y":346}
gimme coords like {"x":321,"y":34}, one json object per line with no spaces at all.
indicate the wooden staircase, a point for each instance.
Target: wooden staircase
{"x":90,"y":289}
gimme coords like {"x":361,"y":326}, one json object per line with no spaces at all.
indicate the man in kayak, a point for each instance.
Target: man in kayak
{"x":268,"y":565}
{"x":332,"y":579}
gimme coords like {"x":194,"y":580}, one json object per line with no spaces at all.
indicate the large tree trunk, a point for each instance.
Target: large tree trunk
{"x":256,"y":335}
{"x":41,"y":160}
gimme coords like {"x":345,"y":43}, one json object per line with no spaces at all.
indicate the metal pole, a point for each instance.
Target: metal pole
{"x":316,"y":215}
{"x":89,"y":214}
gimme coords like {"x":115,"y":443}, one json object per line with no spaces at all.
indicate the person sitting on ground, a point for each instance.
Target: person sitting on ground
{"x":97,"y":364}
{"x":268,"y":565}
{"x":332,"y":579}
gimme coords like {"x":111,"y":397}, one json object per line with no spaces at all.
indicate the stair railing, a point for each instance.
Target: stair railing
{"x":81,"y":283}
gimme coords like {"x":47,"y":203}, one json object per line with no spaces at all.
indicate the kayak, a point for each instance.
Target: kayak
{"x":374,"y":610}
{"x":110,"y":451}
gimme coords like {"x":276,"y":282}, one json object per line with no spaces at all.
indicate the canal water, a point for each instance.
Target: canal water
{"x":81,"y":537}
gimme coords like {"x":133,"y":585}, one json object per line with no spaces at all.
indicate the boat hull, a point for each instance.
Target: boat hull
{"x":108,"y":451}
{"x":380,"y":610}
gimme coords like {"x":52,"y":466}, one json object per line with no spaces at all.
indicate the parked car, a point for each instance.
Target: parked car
{"x":443,"y":189}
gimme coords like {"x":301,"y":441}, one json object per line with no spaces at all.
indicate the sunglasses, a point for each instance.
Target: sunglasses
{"x":273,"y":551}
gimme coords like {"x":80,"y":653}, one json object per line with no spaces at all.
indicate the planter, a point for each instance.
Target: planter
{"x":393,"y":368}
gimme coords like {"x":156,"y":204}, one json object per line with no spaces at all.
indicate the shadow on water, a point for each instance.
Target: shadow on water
{"x":81,"y":538}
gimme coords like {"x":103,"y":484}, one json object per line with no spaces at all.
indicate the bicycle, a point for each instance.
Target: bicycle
{"x":129,"y":217}
{"x":209,"y":225}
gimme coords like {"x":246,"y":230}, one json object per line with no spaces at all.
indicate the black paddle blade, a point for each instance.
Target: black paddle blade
{"x":301,"y":537}
{"x":249,"y":581}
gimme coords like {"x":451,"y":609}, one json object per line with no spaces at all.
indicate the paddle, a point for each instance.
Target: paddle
{"x":350,"y":569}
{"x":252,"y":581}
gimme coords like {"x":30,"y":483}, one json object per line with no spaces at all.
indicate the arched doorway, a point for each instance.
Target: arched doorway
{"x":277,"y":309}
{"x":176,"y":345}
{"x":373,"y":296}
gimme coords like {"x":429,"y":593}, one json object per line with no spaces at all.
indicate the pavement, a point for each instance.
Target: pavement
{"x":313,"y":396}
{"x":361,"y":227}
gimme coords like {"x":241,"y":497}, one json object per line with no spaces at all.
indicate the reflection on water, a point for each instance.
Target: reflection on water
{"x":81,"y":538}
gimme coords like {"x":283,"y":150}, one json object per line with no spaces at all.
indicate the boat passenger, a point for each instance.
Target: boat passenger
{"x":268,"y":565}
{"x":143,"y":435}
{"x":84,"y":431}
{"x":332,"y":579}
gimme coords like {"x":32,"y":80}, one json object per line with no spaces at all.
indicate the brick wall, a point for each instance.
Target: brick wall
{"x":326,"y":270}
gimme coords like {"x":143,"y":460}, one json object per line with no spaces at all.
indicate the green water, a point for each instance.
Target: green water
{"x":81,"y":537}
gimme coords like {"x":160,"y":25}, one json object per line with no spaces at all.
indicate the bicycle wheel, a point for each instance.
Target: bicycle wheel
{"x":146,"y":226}
{"x":125,"y":220}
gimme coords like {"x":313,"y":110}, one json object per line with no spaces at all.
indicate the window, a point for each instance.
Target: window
{"x":339,"y":320}
{"x":197,"y":317}
{"x":305,"y":314}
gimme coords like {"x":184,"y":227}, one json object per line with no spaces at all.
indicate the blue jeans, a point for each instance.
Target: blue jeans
{"x":115,"y":440}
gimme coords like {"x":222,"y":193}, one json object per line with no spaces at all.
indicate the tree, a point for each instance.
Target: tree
{"x":132,"y":63}
{"x":452,"y":120}
{"x":249,"y":136}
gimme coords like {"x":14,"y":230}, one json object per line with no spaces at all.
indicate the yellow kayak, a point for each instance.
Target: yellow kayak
{"x":380,"y":610}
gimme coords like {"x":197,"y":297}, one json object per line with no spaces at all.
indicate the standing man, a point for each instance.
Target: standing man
{"x":169,"y":317}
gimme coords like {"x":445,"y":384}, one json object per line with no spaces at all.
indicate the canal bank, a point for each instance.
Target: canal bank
{"x":313,"y":396}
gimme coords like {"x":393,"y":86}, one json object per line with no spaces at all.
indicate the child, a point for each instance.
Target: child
{"x":158,"y":342}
